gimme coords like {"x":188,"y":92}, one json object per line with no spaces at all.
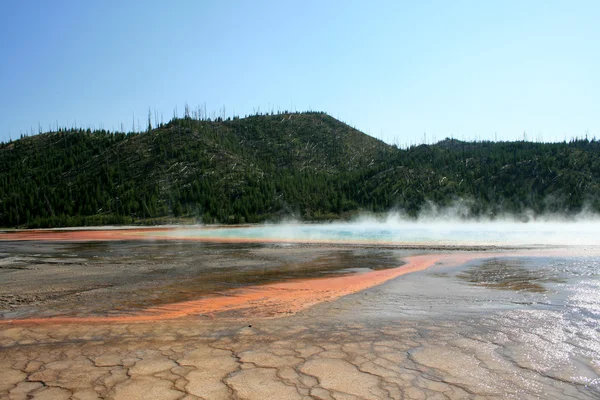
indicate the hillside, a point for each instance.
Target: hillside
{"x":268,"y":166}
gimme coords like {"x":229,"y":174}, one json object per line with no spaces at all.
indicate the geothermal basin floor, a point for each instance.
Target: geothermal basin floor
{"x":175,"y":319}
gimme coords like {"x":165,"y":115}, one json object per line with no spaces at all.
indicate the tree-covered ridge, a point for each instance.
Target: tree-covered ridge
{"x":267,"y":166}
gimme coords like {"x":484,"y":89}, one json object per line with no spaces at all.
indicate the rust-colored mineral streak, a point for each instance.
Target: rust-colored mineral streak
{"x":269,"y":300}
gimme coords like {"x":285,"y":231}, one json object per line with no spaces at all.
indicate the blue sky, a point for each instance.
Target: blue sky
{"x":397,"y":70}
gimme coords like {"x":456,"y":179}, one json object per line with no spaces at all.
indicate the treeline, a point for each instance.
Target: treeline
{"x":265,"y":167}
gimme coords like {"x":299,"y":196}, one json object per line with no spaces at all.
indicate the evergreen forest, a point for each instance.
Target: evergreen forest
{"x":271,"y":166}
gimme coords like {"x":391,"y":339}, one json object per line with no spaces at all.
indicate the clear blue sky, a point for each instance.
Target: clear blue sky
{"x":396,"y":70}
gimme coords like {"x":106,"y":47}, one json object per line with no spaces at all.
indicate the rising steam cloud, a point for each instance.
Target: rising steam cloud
{"x":435,"y":226}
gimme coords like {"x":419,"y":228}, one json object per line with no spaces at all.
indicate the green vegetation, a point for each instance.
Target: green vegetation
{"x":265,"y":167}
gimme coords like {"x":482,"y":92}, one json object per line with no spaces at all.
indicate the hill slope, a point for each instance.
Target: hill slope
{"x":263,"y":167}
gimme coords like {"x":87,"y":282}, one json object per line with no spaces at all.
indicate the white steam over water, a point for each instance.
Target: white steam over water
{"x":425,"y":231}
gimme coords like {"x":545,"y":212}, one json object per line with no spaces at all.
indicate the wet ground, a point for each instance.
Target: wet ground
{"x":96,"y":278}
{"x":514,"y":324}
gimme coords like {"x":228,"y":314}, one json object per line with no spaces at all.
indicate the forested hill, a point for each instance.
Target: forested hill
{"x":264,"y":167}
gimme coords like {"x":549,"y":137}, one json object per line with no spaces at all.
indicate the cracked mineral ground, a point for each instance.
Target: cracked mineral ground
{"x":173,"y":319}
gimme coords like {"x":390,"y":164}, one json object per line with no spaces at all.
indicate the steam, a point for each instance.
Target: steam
{"x":461,"y":211}
{"x":435,"y":226}
{"x":455,"y":225}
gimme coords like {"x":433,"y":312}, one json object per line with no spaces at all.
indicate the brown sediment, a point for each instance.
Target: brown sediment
{"x":313,"y":355}
{"x":503,"y":274}
{"x":270,"y":300}
{"x":267,"y":300}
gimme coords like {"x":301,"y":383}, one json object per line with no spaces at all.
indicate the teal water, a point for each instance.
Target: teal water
{"x":439,"y":233}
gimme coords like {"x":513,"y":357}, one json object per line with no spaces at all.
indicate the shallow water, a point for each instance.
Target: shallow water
{"x":96,"y":278}
{"x":406,"y":232}
{"x":430,"y":334}
{"x":515,"y":324}
{"x":530,"y":327}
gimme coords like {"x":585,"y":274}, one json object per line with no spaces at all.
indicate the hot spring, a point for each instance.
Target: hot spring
{"x":393,"y":309}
